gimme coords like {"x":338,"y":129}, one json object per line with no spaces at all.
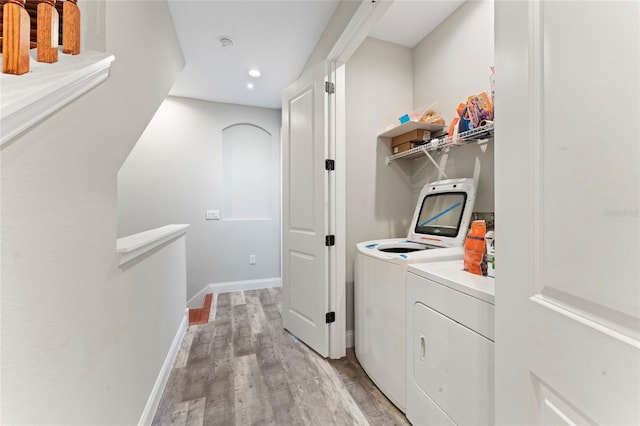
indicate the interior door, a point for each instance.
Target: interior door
{"x":305,"y":274}
{"x":567,"y":151}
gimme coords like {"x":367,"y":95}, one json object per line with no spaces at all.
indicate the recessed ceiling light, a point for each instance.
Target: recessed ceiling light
{"x":254,"y":72}
{"x":226,"y":42}
{"x":249,"y":85}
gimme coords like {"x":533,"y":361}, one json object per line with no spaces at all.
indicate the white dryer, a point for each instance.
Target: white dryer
{"x":450,"y":345}
{"x":437,"y":233}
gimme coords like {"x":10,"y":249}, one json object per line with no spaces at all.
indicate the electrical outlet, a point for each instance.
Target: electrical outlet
{"x":252,"y":259}
{"x":213,"y":214}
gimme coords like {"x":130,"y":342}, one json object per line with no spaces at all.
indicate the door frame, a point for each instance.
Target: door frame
{"x":356,"y":31}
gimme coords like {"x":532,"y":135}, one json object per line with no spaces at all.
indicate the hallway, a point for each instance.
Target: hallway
{"x":243,"y":368}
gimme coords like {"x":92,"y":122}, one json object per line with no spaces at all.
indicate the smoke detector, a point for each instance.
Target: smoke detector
{"x":226,"y":42}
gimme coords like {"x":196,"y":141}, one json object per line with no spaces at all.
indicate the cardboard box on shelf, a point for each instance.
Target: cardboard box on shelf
{"x":406,"y":146}
{"x":417,"y":135}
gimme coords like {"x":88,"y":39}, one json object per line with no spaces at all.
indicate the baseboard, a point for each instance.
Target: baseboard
{"x":163,"y":375}
{"x":197,"y":300}
{"x":349,"y":337}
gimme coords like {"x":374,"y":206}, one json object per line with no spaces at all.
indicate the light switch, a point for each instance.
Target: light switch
{"x":213,"y":214}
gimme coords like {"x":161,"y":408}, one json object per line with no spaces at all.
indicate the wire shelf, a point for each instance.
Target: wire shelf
{"x":444,"y":143}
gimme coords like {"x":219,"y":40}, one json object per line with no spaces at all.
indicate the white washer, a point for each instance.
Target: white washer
{"x":450,"y":345}
{"x":437,"y":233}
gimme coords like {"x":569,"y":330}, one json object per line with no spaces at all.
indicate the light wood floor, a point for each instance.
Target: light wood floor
{"x":243,"y":368}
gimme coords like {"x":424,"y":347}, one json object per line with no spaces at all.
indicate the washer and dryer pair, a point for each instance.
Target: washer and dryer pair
{"x":437,"y":234}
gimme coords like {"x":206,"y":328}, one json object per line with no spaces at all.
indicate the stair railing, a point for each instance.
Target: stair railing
{"x":40,"y":24}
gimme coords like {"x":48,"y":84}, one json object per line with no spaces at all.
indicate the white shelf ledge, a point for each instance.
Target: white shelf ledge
{"x":26,"y":99}
{"x":409,"y":126}
{"x":136,"y":245}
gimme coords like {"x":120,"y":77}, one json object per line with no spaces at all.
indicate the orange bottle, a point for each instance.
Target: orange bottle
{"x":474,"y":260}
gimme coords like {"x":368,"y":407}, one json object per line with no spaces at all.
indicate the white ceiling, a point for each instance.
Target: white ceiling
{"x":407,"y":22}
{"x":277,"y":37}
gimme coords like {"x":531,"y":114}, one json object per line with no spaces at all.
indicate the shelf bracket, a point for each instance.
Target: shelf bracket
{"x":424,"y":166}
{"x":424,"y":150}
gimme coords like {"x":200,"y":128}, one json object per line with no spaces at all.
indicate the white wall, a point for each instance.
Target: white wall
{"x":83,"y":340}
{"x":453,"y":61}
{"x":450,"y":64}
{"x":379,"y":203}
{"x":178,"y":166}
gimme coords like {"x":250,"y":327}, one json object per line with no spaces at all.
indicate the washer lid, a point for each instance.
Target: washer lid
{"x":443,"y":213}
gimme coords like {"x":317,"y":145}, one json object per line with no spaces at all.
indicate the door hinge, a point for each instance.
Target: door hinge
{"x":330,"y":240}
{"x":330,"y":317}
{"x":329,"y":165}
{"x":329,"y":87}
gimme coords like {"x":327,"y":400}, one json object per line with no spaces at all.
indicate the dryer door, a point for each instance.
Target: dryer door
{"x":453,"y":367}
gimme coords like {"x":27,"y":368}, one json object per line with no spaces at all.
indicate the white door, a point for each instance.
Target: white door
{"x":567,"y":170}
{"x":305,"y":215}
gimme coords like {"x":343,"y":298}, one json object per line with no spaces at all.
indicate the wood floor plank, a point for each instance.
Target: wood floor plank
{"x":224,"y":304}
{"x":269,"y":304}
{"x":220,"y":402}
{"x":347,"y":366}
{"x":237,"y":298}
{"x":384,"y":411}
{"x":214,"y":304}
{"x":243,"y":342}
{"x":219,"y":413}
{"x":243,"y":368}
{"x":276,"y":297}
{"x":195,"y":415}
{"x":304,"y":381}
{"x":285,"y":411}
{"x":180,"y":413}
{"x":346,"y":411}
{"x":280,"y":386}
{"x":172,"y":395}
{"x":197,"y":379}
{"x":251,"y":396}
{"x":185,"y":347}
{"x":257,"y":319}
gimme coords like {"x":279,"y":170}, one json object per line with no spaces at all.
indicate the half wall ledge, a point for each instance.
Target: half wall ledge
{"x":136,"y":245}
{"x":29,"y":98}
